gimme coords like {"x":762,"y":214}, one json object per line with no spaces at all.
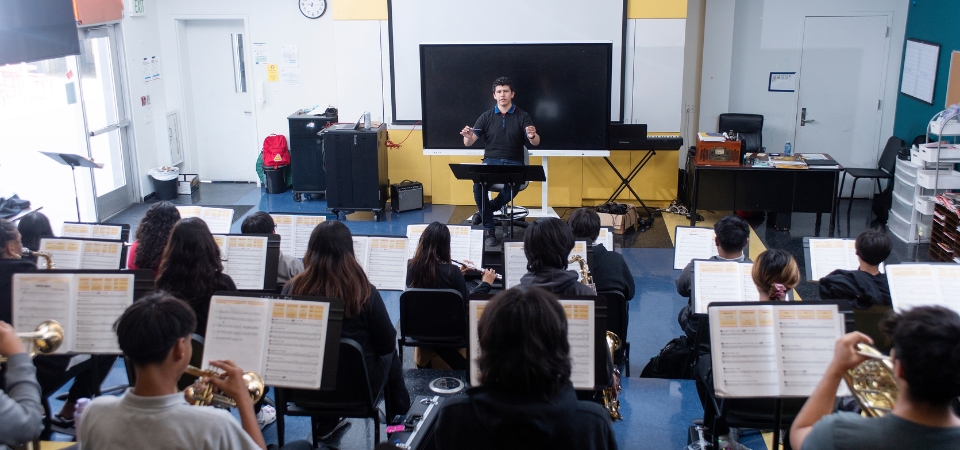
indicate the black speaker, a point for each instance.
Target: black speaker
{"x":627,"y":136}
{"x":406,"y":196}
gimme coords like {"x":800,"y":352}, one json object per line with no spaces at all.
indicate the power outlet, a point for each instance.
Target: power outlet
{"x":688,"y":107}
{"x":148,"y":118}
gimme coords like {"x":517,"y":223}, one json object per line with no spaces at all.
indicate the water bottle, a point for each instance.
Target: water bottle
{"x":787,"y":149}
{"x":366,"y":120}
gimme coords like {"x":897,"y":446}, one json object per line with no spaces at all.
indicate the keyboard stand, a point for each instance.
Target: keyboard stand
{"x":625,"y":181}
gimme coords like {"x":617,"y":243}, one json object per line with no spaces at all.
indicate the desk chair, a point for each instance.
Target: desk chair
{"x":432,"y":318}
{"x":514,"y":216}
{"x":748,"y":126}
{"x":196,"y":360}
{"x":885,"y":168}
{"x":353,"y":396}
{"x":618,"y":319}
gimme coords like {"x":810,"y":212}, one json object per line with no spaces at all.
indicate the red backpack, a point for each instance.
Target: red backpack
{"x":275,"y":153}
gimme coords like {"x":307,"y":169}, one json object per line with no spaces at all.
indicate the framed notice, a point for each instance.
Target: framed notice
{"x":920,"y":62}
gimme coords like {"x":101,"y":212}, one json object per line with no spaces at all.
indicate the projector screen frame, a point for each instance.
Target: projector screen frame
{"x":393,"y":85}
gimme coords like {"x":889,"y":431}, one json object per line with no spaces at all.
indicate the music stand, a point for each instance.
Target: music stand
{"x":74,"y":161}
{"x":488,"y":175}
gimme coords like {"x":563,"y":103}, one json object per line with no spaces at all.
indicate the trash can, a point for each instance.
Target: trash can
{"x":276,"y":179}
{"x":165,"y":182}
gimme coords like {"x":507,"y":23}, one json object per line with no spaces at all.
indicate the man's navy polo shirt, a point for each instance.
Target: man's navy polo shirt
{"x":503,"y":134}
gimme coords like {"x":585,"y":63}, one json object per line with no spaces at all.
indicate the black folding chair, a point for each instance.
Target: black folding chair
{"x":432,"y":318}
{"x":618,"y":319}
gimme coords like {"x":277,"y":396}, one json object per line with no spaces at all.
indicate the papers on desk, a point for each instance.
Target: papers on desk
{"x":722,"y":281}
{"x":581,"y":322}
{"x":827,"y":255}
{"x":772,"y":349}
{"x":711,"y":137}
{"x":217,"y":219}
{"x":515,"y":261}
{"x":466,"y":244}
{"x":82,"y":254}
{"x":924,"y":285}
{"x":693,"y":243}
{"x":86,"y":305}
{"x":94,"y":231}
{"x":244,"y":259}
{"x":295,"y":231}
{"x":267,"y":336}
{"x":787,"y":162}
{"x":384,"y":259}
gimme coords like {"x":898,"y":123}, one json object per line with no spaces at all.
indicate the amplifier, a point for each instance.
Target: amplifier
{"x":406,"y":196}
{"x":627,"y":136}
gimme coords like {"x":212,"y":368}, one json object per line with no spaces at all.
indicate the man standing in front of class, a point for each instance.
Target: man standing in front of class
{"x":506,"y":130}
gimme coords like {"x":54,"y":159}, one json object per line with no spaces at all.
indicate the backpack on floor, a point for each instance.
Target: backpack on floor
{"x":675,"y":361}
{"x":275,"y":152}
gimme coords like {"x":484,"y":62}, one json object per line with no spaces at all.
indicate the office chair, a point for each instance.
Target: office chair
{"x":885,"y":168}
{"x":432,"y":318}
{"x":512,"y":215}
{"x":748,"y":126}
{"x":617,"y":322}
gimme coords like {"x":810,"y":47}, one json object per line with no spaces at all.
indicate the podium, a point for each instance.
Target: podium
{"x":488,"y":175}
{"x":74,"y":161}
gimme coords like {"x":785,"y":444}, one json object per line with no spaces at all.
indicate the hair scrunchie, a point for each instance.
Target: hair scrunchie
{"x":781,"y":291}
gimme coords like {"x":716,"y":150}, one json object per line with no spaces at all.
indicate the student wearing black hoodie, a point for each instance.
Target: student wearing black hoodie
{"x":547,"y":244}
{"x":526,"y":400}
{"x":866,"y":286}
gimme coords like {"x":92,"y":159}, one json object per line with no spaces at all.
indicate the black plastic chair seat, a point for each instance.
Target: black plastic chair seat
{"x":869,"y":173}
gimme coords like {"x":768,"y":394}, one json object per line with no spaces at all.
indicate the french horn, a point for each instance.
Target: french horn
{"x":872,"y":382}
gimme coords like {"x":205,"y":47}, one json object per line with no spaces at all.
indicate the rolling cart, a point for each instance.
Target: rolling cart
{"x":356,"y":160}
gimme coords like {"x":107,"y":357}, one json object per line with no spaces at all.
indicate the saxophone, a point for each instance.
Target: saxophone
{"x":46,"y":257}
{"x":585,"y":277}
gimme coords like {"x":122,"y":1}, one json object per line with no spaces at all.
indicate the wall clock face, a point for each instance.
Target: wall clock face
{"x":313,"y":9}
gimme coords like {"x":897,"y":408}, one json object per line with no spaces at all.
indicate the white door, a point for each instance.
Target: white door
{"x":842,"y":69}
{"x":222,"y":125}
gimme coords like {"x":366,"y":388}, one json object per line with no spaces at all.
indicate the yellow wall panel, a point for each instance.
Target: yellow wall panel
{"x":408,"y":162}
{"x":657,"y":9}
{"x":599,"y":180}
{"x":447,"y":190}
{"x":359,"y":9}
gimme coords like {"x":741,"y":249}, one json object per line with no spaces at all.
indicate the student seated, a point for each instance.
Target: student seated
{"x":547,"y":244}
{"x":331,"y":270}
{"x":732,"y":235}
{"x":526,"y":399}
{"x":154,"y":334}
{"x":926,"y":370}
{"x":775,"y":273}
{"x":261,"y":223}
{"x":609,"y":270}
{"x":151,"y":237}
{"x":21,"y":414}
{"x":432,"y":268}
{"x":33,"y":227}
{"x":866,"y":286}
{"x":11,"y":262}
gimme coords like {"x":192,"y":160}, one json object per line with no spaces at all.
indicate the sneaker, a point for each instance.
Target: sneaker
{"x":266,"y":416}
{"x":726,"y":443}
{"x":477,"y":218}
{"x":490,"y":237}
{"x":325,"y":431}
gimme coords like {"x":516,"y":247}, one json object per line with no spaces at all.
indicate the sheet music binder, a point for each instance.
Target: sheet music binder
{"x":272,"y":263}
{"x":124,"y":228}
{"x":123,"y":250}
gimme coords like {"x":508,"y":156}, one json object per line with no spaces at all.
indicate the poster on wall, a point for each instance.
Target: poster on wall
{"x":920,"y":61}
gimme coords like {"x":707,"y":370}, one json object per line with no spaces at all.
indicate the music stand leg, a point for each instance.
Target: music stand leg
{"x":76,"y":196}
{"x":777,"y":416}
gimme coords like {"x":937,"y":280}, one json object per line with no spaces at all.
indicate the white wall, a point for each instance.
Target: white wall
{"x":654,"y":73}
{"x":745,"y":40}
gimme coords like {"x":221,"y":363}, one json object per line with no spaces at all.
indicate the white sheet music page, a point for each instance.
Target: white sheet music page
{"x":744,"y":351}
{"x":106,"y":232}
{"x":476,"y":247}
{"x":948,"y":276}
{"x":285,"y":228}
{"x":515,"y":265}
{"x":580,"y":249}
{"x":191,"y":211}
{"x":66,"y":253}
{"x":236,"y":330}
{"x":361,"y":249}
{"x":247,"y":261}
{"x":693,"y":243}
{"x":221,"y":242}
{"x":827,"y":255}
{"x":287,"y":361}
{"x":474,"y":311}
{"x":100,"y":255}
{"x":303,"y":228}
{"x":460,"y":242}
{"x":913,"y":285}
{"x":750,"y":292}
{"x":414,"y":231}
{"x":716,"y":281}
{"x":77,"y":230}
{"x":101,"y":300}
{"x":806,"y":336}
{"x":217,"y":219}
{"x":580,"y":334}
{"x":387,"y":263}
{"x":606,"y":238}
{"x":42,"y":296}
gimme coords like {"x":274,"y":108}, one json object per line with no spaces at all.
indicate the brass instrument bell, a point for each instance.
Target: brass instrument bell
{"x":46,"y":339}
{"x":872,"y":382}
{"x":208,"y":395}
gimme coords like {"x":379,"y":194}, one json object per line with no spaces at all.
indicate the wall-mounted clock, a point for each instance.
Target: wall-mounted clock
{"x":313,"y":9}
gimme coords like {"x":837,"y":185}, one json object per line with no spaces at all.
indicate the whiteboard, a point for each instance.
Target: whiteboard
{"x":501,"y":21}
{"x":920,"y":70}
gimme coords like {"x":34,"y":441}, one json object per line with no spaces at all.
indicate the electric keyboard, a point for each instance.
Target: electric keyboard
{"x":659,"y":142}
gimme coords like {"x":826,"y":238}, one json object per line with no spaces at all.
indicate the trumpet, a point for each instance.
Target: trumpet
{"x":208,"y":395}
{"x":872,"y":382}
{"x":472,"y":267}
{"x":46,"y":339}
{"x":46,"y":257}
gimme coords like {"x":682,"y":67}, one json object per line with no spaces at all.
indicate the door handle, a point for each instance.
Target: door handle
{"x":803,"y":117}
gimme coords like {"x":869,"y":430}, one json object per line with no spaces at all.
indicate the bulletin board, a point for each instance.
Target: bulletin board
{"x":953,"y":80}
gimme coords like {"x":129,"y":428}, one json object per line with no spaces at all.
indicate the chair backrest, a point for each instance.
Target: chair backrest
{"x":888,"y":159}
{"x":867,"y":321}
{"x":433,"y":315}
{"x":616,"y":313}
{"x":749,"y":126}
{"x":353,"y":396}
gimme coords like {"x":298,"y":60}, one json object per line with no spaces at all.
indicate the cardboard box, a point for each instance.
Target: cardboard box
{"x":620,"y":222}
{"x":188,"y":183}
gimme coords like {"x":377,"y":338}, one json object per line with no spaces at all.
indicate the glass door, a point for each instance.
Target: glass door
{"x":107,"y":122}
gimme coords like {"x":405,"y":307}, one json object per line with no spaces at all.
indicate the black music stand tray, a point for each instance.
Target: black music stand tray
{"x":74,"y":161}
{"x":488,"y":175}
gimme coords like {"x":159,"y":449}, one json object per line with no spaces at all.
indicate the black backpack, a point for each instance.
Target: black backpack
{"x":675,"y":361}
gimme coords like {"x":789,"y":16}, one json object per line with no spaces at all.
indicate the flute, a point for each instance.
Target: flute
{"x":472,"y":267}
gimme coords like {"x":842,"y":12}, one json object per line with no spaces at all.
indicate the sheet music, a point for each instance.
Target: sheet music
{"x":217,"y":219}
{"x":66,"y":253}
{"x":580,"y":334}
{"x":745,"y":355}
{"x":79,"y":230}
{"x":807,"y":336}
{"x":948,"y":277}
{"x":221,"y":242}
{"x":387,"y":263}
{"x":515,"y":263}
{"x":303,"y":228}
{"x":606,"y":238}
{"x":191,"y":211}
{"x":459,"y":242}
{"x":247,"y":261}
{"x":414,"y":231}
{"x":718,"y":281}
{"x":827,"y":255}
{"x":750,"y":292}
{"x":106,"y":232}
{"x":476,"y":247}
{"x":913,"y":285}
{"x":361,"y":249}
{"x":579,"y":248}
{"x":42,"y":296}
{"x":100,"y":255}
{"x":285,"y":228}
{"x":235,"y":330}
{"x":287,"y":361}
{"x":693,"y":243}
{"x":101,"y":300}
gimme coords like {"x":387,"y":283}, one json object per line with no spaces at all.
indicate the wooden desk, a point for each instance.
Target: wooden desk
{"x":746,"y":188}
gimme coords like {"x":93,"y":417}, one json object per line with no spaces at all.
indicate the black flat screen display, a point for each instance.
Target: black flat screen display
{"x":564,"y":87}
{"x":32,"y":30}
